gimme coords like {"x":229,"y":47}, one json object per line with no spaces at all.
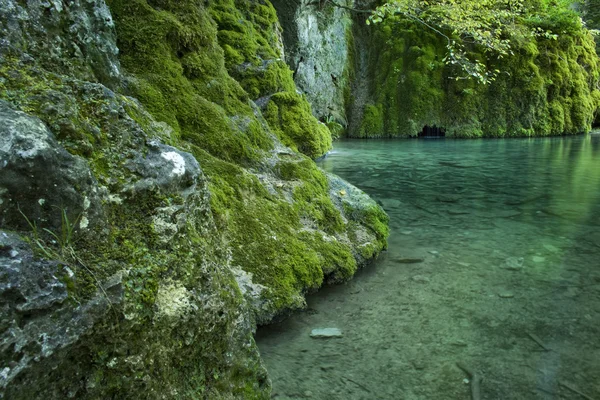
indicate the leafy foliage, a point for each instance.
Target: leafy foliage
{"x":490,"y":26}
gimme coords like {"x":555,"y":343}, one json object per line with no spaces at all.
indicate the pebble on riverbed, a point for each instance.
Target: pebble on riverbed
{"x":514,"y":263}
{"x":326,"y":333}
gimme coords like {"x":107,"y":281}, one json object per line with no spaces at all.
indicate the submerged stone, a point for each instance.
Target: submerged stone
{"x":514,"y":263}
{"x":551,"y":248}
{"x":408,"y":260}
{"x":326,"y":333}
{"x":506,"y":295}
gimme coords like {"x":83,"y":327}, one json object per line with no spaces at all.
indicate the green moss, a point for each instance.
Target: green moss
{"x":249,"y":32}
{"x":407,"y":75}
{"x":269,"y":78}
{"x":178,"y":66}
{"x":248,"y":29}
{"x":547,"y":88}
{"x":337,"y":130}
{"x":290,"y":117}
{"x":278,"y":240}
{"x":372,"y":124}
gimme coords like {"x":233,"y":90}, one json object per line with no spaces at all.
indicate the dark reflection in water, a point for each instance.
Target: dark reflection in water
{"x":507,"y":233}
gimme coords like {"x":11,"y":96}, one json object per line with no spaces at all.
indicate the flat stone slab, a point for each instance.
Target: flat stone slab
{"x":326,"y":333}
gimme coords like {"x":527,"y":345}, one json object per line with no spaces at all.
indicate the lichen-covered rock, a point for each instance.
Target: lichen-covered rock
{"x":38,"y":178}
{"x":73,"y":38}
{"x":167,"y":168}
{"x":37,"y":319}
{"x":370,"y":219}
{"x":209,"y":224}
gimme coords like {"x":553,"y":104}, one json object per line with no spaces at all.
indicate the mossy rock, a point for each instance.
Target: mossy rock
{"x":290,"y":116}
{"x":257,"y":214}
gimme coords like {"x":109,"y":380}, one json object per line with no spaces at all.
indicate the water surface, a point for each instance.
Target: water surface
{"x":503,"y":240}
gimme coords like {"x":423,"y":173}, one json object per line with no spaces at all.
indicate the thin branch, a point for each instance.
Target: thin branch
{"x":475,"y":381}
{"x":427,"y":25}
{"x":356,"y":10}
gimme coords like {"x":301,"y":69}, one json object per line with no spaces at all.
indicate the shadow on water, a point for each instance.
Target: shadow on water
{"x":493,"y":261}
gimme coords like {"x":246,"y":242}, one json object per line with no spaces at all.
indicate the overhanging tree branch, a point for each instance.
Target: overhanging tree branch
{"x":335,"y":4}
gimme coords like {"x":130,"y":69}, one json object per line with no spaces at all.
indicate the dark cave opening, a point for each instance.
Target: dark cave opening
{"x":432,"y":132}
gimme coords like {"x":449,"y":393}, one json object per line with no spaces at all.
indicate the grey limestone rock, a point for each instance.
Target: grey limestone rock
{"x":39,"y":177}
{"x":70,"y":37}
{"x":36,"y":320}
{"x":167,"y":168}
{"x":326,"y":333}
{"x":318,"y":50}
{"x":514,"y":263}
{"x":355,"y":205}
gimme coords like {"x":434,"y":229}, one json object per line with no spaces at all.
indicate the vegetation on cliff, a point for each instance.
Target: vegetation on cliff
{"x":480,"y":69}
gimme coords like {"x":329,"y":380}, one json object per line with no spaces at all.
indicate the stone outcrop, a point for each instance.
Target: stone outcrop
{"x":75,"y":38}
{"x":547,"y":87}
{"x":38,"y":320}
{"x":319,"y":49}
{"x":152,"y":212}
{"x":39,"y":178}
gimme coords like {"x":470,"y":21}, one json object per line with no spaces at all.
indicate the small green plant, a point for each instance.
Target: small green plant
{"x":63,"y":239}
{"x":335,"y":127}
{"x":61,"y":249}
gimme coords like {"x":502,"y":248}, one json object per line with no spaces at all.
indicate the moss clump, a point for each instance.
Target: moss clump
{"x":337,"y":130}
{"x":173,"y":53}
{"x":290,"y":245}
{"x":248,"y":30}
{"x":249,"y":33}
{"x":289,"y":116}
{"x":547,"y":88}
{"x":372,"y":124}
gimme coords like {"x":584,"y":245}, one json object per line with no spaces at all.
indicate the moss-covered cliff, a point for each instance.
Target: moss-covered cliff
{"x":183,"y":212}
{"x":318,"y":39}
{"x":548,"y":87}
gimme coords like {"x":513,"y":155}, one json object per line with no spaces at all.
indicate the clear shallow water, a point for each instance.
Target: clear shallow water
{"x":508,"y":234}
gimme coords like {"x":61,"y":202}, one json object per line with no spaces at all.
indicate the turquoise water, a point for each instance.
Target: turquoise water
{"x":493,"y":262}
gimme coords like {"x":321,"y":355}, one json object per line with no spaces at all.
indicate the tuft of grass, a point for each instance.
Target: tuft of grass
{"x":62,"y":249}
